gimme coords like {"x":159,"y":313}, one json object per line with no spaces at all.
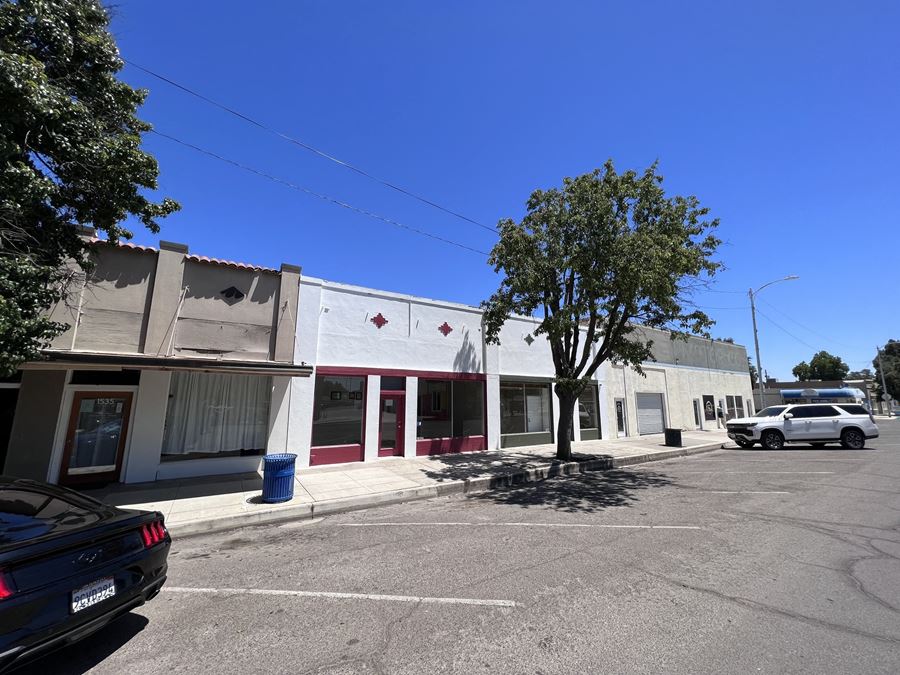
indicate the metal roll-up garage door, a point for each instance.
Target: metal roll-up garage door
{"x":650,"y":413}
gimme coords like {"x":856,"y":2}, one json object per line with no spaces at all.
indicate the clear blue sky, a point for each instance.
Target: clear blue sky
{"x":781,"y":117}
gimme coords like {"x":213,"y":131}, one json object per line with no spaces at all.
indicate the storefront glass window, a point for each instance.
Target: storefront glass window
{"x":512,"y":409}
{"x":524,"y":408}
{"x":468,"y":408}
{"x":338,"y":410}
{"x":435,"y":404}
{"x":537,"y":408}
{"x":587,"y":408}
{"x":449,"y":408}
{"x":215,"y":415}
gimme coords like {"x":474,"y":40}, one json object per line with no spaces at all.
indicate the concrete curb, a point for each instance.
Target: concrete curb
{"x":468,"y":486}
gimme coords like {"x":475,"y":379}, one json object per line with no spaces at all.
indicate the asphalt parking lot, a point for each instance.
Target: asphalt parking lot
{"x":731,"y":561}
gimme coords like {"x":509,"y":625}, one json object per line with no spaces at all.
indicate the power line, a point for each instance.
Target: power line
{"x":708,"y":307}
{"x":785,"y":330}
{"x":312,"y":193}
{"x":308,"y":147}
{"x":807,"y":328}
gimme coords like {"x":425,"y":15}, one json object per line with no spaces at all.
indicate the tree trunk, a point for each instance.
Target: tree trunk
{"x":564,"y":426}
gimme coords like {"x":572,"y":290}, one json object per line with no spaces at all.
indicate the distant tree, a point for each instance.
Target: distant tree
{"x":69,"y":156}
{"x":864,"y":374}
{"x":754,"y":377}
{"x":802,"y":371}
{"x":822,"y":366}
{"x":825,"y":366}
{"x":597,"y":258}
{"x":890,"y":360}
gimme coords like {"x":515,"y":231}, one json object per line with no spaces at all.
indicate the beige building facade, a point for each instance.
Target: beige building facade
{"x":173,"y":365}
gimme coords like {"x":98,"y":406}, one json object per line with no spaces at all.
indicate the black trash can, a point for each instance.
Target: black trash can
{"x":278,"y":477}
{"x":673,"y":438}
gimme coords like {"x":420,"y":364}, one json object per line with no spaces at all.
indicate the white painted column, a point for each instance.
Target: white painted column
{"x":302,"y":394}
{"x":576,"y":424}
{"x":554,"y":402}
{"x":145,"y":447}
{"x":411,"y":418}
{"x":373,"y":417}
{"x":606,"y":430}
{"x":492,"y":396}
{"x":492,"y":423}
{"x":279,"y":415}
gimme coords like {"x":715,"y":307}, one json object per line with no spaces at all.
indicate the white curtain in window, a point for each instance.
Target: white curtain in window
{"x":216,"y":413}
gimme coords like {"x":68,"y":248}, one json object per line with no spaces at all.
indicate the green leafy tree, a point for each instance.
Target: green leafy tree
{"x":754,"y":377}
{"x":802,"y":371}
{"x":890,"y":361}
{"x":864,"y":374}
{"x":822,"y":366}
{"x":596,"y":259}
{"x":825,"y":366}
{"x":69,"y":156}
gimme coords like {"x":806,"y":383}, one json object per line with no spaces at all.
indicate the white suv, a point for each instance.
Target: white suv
{"x":813,"y":423}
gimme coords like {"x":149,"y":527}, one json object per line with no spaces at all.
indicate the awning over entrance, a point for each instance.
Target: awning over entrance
{"x":844,"y":392}
{"x":87,"y":360}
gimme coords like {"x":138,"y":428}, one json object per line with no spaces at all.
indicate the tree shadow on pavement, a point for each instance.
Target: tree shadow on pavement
{"x":589,"y":492}
{"x":467,"y":466}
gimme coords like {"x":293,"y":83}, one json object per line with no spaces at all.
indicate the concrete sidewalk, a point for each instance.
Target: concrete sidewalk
{"x":193,"y":506}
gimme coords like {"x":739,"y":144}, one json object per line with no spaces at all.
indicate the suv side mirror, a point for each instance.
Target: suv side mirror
{"x":788,"y":416}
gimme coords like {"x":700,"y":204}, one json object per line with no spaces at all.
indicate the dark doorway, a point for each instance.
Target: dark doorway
{"x":709,"y":409}
{"x":8,"y":399}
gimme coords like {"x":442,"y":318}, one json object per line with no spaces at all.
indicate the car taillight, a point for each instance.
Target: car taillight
{"x":6,"y":586}
{"x":153,"y":533}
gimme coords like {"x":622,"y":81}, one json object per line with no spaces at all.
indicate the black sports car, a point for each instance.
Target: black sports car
{"x":69,"y":565}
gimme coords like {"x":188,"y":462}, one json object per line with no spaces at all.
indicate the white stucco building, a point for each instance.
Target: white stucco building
{"x":177,"y":365}
{"x":398,"y":375}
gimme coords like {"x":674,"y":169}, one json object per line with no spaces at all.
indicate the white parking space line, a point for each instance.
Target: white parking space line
{"x":575,"y":525}
{"x":733,"y":460}
{"x":741,"y":460}
{"x":341,"y":596}
{"x":738,"y":492}
{"x":766,"y":472}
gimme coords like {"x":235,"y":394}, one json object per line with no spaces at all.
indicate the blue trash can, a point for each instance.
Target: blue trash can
{"x":278,"y":477}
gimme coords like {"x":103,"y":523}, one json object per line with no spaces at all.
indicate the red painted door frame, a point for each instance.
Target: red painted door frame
{"x":399,"y":398}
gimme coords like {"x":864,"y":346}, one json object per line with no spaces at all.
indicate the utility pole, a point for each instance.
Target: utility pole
{"x":762,"y":375}
{"x":885,"y":395}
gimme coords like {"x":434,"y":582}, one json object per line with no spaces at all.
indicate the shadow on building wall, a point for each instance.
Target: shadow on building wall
{"x":466,"y":359}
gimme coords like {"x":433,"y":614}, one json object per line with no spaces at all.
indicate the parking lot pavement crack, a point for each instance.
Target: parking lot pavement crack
{"x":820,"y":527}
{"x":860,"y":586}
{"x":763,"y":607}
{"x":531,"y":567}
{"x":851,"y":487}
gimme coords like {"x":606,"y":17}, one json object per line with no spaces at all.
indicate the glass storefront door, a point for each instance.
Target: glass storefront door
{"x":390,"y":426}
{"x":95,"y":441}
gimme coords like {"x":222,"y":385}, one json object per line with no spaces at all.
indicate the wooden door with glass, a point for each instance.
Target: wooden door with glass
{"x":95,"y":438}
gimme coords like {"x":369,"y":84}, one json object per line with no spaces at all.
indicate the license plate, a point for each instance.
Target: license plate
{"x":89,"y":595}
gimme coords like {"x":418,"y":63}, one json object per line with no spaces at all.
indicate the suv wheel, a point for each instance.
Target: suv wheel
{"x":772,"y":440}
{"x":853,"y":439}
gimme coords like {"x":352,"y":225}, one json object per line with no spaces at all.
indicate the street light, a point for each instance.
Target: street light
{"x":759,"y":374}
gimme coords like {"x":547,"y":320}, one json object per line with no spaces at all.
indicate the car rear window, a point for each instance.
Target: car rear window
{"x":806,"y":411}
{"x":854,"y":409}
{"x":26,"y":514}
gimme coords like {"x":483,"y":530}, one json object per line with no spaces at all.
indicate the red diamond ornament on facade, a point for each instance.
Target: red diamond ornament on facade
{"x":378,"y":320}
{"x":445,"y":328}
